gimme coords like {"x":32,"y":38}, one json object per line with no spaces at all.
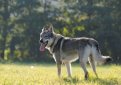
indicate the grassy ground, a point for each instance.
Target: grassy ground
{"x":44,"y":74}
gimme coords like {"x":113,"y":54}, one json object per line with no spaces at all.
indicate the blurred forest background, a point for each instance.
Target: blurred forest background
{"x":21,"y":22}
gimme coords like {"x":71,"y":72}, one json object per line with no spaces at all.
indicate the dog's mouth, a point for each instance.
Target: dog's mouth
{"x":43,"y":45}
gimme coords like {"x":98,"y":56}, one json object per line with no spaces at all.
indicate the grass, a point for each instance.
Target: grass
{"x":45,"y":74}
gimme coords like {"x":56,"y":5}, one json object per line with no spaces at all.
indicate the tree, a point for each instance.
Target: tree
{"x":5,"y":27}
{"x":21,"y":22}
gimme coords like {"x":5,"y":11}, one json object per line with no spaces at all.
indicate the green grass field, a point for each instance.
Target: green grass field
{"x":45,"y":74}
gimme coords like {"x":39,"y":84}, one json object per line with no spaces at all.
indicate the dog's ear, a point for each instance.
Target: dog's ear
{"x":50,"y":28}
{"x":45,"y":28}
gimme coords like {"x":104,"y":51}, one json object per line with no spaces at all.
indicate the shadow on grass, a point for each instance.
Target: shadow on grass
{"x":71,"y":80}
{"x":111,"y":81}
{"x":99,"y":81}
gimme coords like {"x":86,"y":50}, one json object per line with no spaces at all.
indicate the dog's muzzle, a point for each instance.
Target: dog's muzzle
{"x":41,"y":41}
{"x":43,"y":45}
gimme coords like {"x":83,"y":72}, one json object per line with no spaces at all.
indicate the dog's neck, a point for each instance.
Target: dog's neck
{"x":55,"y":41}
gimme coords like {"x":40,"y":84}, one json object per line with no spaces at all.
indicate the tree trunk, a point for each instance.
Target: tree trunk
{"x":4,"y":34}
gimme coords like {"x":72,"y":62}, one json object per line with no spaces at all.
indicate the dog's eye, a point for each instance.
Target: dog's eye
{"x":46,"y":36}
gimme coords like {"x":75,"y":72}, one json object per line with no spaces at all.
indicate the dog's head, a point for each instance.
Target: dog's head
{"x":46,"y":37}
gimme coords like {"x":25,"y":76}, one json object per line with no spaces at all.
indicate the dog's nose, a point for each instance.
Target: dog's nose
{"x":41,"y":41}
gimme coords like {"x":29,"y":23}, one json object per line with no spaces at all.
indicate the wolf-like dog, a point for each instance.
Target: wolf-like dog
{"x":66,"y":50}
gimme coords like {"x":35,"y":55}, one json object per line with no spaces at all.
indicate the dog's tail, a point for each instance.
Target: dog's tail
{"x":98,"y":57}
{"x":105,"y":59}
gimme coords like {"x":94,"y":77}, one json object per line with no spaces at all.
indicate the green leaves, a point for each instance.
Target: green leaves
{"x":22,"y":20}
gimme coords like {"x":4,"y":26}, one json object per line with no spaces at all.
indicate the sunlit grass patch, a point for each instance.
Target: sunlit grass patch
{"x":44,"y":74}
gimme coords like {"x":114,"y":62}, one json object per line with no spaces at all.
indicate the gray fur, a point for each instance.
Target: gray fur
{"x":66,"y":50}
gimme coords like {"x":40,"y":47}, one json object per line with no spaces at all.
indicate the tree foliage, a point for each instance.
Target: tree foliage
{"x":21,"y":22}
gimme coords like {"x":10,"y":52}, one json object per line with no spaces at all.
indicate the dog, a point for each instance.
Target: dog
{"x":67,"y":50}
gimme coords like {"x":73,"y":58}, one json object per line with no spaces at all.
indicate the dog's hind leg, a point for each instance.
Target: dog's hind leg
{"x":83,"y":65}
{"x":83,"y":58}
{"x":92,"y":63}
{"x":68,"y":66}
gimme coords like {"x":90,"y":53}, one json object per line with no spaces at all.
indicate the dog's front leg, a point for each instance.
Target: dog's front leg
{"x":58,"y":63}
{"x":68,"y":66}
{"x":59,"y":69}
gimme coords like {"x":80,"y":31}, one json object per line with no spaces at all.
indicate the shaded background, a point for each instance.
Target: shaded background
{"x":21,"y":22}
